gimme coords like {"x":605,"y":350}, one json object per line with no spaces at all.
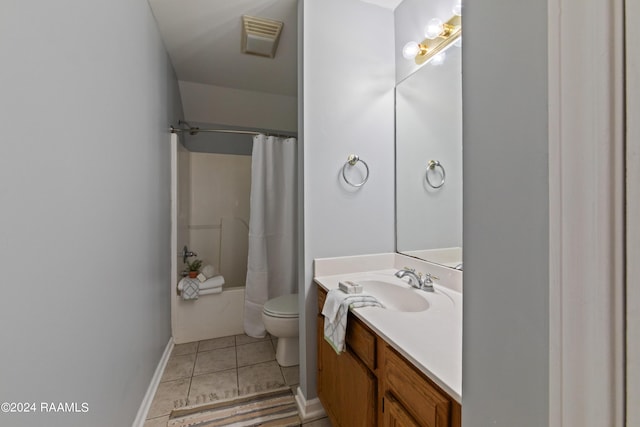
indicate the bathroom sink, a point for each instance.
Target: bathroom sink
{"x":395,"y":297}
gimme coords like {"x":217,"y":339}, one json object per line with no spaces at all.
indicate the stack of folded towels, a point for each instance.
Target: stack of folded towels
{"x":206,"y":283}
{"x":336,"y":308}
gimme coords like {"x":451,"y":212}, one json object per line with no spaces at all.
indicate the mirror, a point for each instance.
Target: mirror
{"x":429,"y":128}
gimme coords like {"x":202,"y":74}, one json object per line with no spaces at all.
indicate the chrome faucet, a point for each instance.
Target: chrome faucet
{"x":417,"y":280}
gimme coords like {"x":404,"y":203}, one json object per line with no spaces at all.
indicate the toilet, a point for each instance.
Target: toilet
{"x":280,"y":318}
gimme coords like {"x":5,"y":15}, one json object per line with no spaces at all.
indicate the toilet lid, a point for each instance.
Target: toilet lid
{"x":284,"y":306}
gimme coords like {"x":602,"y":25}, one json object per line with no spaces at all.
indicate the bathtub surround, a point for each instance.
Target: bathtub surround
{"x":219,"y":212}
{"x":212,"y":210}
{"x":271,"y":268}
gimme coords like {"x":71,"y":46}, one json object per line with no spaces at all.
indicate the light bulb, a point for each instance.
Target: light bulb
{"x":457,"y":8}
{"x":410,"y":50}
{"x":433,"y":29}
{"x":438,"y":59}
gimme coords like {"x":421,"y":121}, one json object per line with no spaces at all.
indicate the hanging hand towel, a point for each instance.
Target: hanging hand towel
{"x":335,"y":310}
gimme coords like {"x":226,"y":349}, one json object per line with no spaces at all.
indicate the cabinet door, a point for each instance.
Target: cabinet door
{"x":395,"y":415}
{"x":346,"y":388}
{"x":429,"y":406}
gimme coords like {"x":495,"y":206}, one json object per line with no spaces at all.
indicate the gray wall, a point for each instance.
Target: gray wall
{"x":87,"y":95}
{"x":506,"y":210}
{"x":347,"y":107}
{"x":236,"y":107}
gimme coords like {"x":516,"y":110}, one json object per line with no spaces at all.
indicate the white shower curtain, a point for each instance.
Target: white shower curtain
{"x":271,"y":266}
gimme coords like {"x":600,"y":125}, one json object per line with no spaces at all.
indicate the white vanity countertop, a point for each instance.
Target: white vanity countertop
{"x":430,"y":339}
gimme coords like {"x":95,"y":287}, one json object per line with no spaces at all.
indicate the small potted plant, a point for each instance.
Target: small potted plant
{"x":194,"y":268}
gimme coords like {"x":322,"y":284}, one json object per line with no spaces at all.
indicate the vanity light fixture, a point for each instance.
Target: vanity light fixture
{"x":439,"y":36}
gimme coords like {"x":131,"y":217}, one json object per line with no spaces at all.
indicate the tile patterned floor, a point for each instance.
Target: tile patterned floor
{"x":220,"y":368}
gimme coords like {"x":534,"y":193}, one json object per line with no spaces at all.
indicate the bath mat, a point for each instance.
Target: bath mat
{"x":266,"y":409}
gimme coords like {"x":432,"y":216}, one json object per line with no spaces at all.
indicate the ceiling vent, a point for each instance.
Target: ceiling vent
{"x":260,"y":36}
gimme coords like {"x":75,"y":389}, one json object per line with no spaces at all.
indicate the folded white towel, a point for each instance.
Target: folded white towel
{"x":335,"y":310}
{"x":212,"y":283}
{"x":191,"y":289}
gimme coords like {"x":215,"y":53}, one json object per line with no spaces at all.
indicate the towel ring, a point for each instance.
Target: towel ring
{"x":432,"y":165}
{"x":351,"y":161}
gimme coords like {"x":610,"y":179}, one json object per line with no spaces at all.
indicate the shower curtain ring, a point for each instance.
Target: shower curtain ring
{"x":352,"y":160}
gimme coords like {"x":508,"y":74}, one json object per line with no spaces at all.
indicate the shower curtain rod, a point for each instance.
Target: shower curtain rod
{"x":195,"y":130}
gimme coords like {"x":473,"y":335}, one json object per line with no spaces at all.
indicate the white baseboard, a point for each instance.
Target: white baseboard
{"x":153,"y":386}
{"x":309,"y":409}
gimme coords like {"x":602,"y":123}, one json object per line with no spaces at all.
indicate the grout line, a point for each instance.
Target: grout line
{"x":193,"y":369}
{"x":186,"y":398}
{"x":237,"y":367}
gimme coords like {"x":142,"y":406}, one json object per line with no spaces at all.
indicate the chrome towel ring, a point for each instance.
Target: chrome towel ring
{"x":431,"y":166}
{"x":351,"y":161}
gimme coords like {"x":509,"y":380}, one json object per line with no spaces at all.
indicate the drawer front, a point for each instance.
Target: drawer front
{"x":361,"y":341}
{"x":395,"y":415}
{"x":424,"y":402}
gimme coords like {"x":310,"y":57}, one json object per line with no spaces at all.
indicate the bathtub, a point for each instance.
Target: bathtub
{"x":208,"y":317}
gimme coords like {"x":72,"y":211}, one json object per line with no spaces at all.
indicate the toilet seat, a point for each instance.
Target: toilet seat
{"x":285,"y":306}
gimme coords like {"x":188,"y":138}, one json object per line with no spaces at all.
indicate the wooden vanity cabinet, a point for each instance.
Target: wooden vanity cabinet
{"x":414,"y":392}
{"x":346,"y":386}
{"x":371,"y":384}
{"x":394,"y":414}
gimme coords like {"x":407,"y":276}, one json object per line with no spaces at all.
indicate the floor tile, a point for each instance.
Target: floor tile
{"x":291,"y":374}
{"x":215,"y":360}
{"x":246,"y":339}
{"x":182,"y":349}
{"x":179,"y":367}
{"x":260,"y":377}
{"x":157,"y":422}
{"x":209,"y":387}
{"x":274,"y":341}
{"x":257,"y":352}
{"x":217,"y":343}
{"x":170,"y":395}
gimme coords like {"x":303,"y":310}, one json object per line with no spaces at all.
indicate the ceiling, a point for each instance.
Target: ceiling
{"x":203,"y":39}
